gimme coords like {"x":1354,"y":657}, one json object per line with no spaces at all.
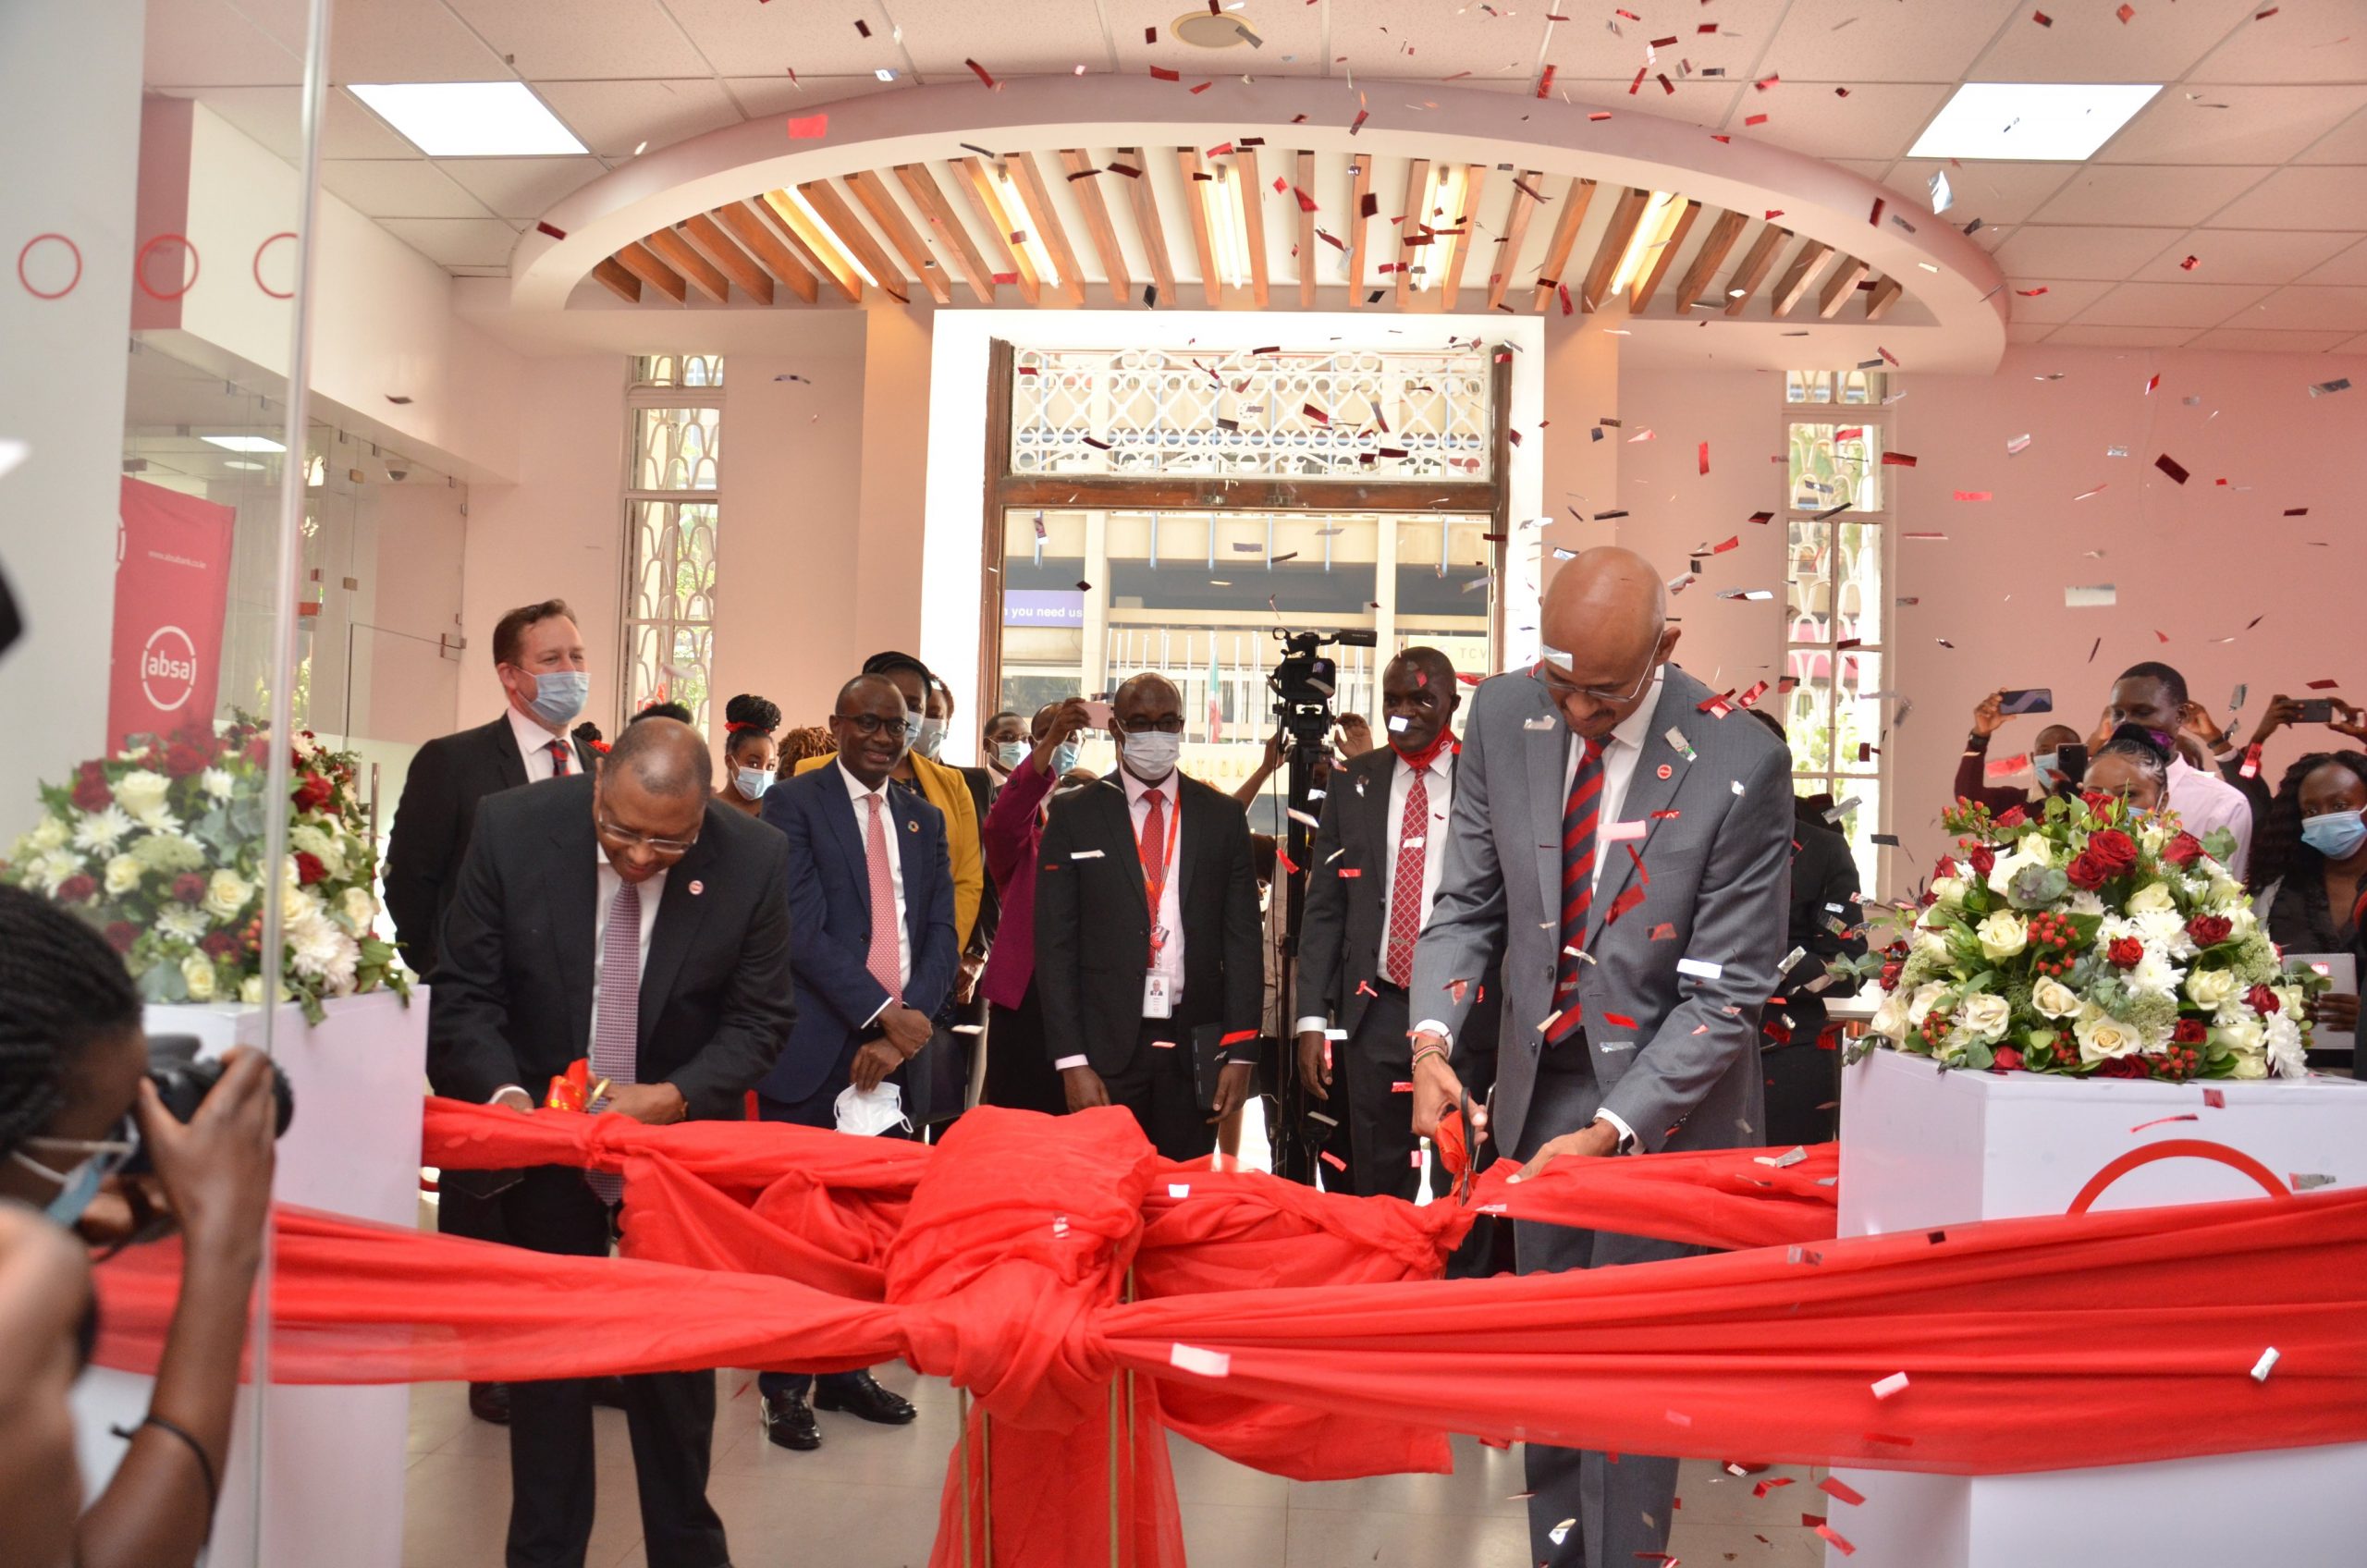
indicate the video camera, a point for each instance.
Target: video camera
{"x":1305,"y":681}
{"x":183,"y":1080}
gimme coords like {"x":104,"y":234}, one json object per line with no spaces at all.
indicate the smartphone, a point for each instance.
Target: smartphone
{"x":2036,"y":699}
{"x":2315,"y":710}
{"x":1099,"y":712}
{"x":2072,"y":762}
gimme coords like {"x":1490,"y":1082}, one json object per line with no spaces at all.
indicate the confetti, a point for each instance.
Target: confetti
{"x":561,"y":234}
{"x":863,"y":29}
{"x":2328,"y":389}
{"x":1898,"y":460}
{"x":2042,"y":19}
{"x":2309,"y":1181}
{"x":2189,"y":263}
{"x":1678,"y":743}
{"x":2268,"y":1360}
{"x":2125,"y":12}
{"x":2017,"y":445}
{"x":1841,"y":1491}
{"x":1191,"y":1358}
{"x":1840,"y":1545}
{"x":2169,"y":466}
{"x":1972,"y":494}
{"x":1702,"y":970}
{"x":1894,"y":1383}
{"x":2100,"y":595}
{"x":1705,"y":468}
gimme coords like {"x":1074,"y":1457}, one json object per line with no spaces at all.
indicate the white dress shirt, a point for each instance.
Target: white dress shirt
{"x":604,"y":896}
{"x":534,"y":748}
{"x":856,"y":796}
{"x":2204,"y":801}
{"x":1400,"y":784}
{"x":1170,"y":899}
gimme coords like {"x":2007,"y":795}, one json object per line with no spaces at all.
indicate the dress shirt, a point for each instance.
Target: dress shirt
{"x":1170,"y":899}
{"x":652,"y":892}
{"x":856,"y":796}
{"x":1400,"y":784}
{"x":534,"y":748}
{"x":2204,"y":801}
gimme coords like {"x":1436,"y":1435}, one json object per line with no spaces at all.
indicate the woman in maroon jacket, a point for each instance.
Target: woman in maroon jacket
{"x":1019,"y":1073}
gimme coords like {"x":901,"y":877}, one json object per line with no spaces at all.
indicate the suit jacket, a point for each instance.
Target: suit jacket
{"x":1339,"y":951}
{"x":1687,"y":1075}
{"x":1011,"y":833}
{"x":944,"y":788}
{"x":513,"y":992}
{"x":1093,"y":924}
{"x":830,"y":919}
{"x":982,"y":799}
{"x":430,"y":835}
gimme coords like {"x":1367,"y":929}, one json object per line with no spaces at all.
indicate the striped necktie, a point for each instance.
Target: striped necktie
{"x":616,"y":1036}
{"x":1577,"y":887}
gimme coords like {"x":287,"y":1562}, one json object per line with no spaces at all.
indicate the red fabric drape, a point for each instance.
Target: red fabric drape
{"x":999,"y":1257}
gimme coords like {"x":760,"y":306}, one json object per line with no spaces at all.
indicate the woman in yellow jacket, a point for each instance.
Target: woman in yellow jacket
{"x":943,"y":787}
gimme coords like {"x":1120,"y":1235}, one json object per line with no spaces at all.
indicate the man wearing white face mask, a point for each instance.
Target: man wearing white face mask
{"x":1148,"y":966}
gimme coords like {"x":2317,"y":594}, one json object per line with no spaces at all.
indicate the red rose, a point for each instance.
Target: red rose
{"x":309,"y":868}
{"x":2262,"y":1000}
{"x":90,"y":792}
{"x":313,"y":792}
{"x":2013,"y":817}
{"x":121,"y":934}
{"x":190,"y":887}
{"x":2124,"y":952}
{"x":2189,"y":1032}
{"x":2183,"y":850}
{"x":1947,"y":867}
{"x":77,"y":890}
{"x":2126,"y":1067}
{"x":2008,"y":1059}
{"x":1890,"y":976}
{"x":218,"y":944}
{"x":2097,"y":801}
{"x":181,"y":759}
{"x":2085,"y":871}
{"x":2114,"y":849}
{"x":1983,"y":860}
{"x":2209,"y":930}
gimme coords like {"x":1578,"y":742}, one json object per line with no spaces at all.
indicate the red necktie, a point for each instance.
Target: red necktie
{"x":558,"y":750}
{"x":1152,"y":848}
{"x":1406,"y":884}
{"x":1577,"y":887}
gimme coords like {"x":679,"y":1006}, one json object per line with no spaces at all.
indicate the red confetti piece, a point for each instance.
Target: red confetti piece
{"x":1772,"y":214}
{"x":863,"y":29}
{"x":2169,"y":465}
{"x":1972,"y":495}
{"x":2297,"y":511}
{"x":1876,"y":215}
{"x":2214,"y":1099}
{"x":1163,"y":74}
{"x":2042,"y":19}
{"x":1842,"y":1490}
{"x":1150,"y":35}
{"x":1619,"y":1019}
{"x":2125,"y":12}
{"x":2152,"y":382}
{"x":553,"y":232}
{"x":1840,"y":92}
{"x":1205,"y":85}
{"x":1666,"y":86}
{"x":1349,"y":874}
{"x":2189,"y":263}
{"x":1545,"y":81}
{"x":2251,"y":760}
{"x":2031,"y":293}
{"x":1705,"y":468}
{"x":808,"y":127}
{"x":1355,"y":125}
{"x":1599,"y":115}
{"x":2325,"y":685}
{"x":1334,"y":1161}
{"x":980,"y":71}
{"x":1754,"y":120}
{"x":1897,"y":460}
{"x":1763,"y":83}
{"x":1306,"y":203}
{"x":2160,"y":1121}
{"x":1769,"y":1485}
{"x":1638,"y":81}
{"x":1733,"y":543}
{"x":1839,"y":1545}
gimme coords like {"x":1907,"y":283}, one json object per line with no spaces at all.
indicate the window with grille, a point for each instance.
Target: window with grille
{"x":1837,"y":517}
{"x":673,"y":503}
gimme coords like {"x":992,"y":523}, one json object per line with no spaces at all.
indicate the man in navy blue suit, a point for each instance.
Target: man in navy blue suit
{"x":871,"y":942}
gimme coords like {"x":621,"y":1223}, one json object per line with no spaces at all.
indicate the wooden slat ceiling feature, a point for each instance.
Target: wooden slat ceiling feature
{"x":696,"y":270}
{"x":814,"y":248}
{"x":1804,"y":260}
{"x":1623,"y":219}
{"x":710,"y":241}
{"x":1708,"y":259}
{"x":1574,"y":201}
{"x":1475,"y":186}
{"x":1839,"y":287}
{"x":763,"y":241}
{"x":1085,"y":186}
{"x":1505,"y":252}
{"x":929,"y":197}
{"x":872,"y":193}
{"x":1148,"y":229}
{"x":1046,"y":223}
{"x":1252,"y":221}
{"x":1647,"y":282}
{"x":1356,"y":226}
{"x":1196,"y":203}
{"x":612,"y":276}
{"x":840,"y":223}
{"x":1307,"y":240}
{"x":1753,"y":270}
{"x":985,"y":197}
{"x":1884,"y":295}
{"x":1411,"y":224}
{"x":637,"y":260}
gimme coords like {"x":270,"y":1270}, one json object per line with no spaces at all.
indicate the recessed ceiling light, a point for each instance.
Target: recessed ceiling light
{"x":239,"y":463}
{"x":884,"y":74}
{"x":244,"y":442}
{"x":469,"y":119}
{"x":2031,"y":121}
{"x":1206,"y":30}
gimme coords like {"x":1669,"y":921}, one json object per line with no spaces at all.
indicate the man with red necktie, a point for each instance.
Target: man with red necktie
{"x":1373,"y":872}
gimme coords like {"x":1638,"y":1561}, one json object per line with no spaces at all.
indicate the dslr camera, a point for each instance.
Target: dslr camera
{"x":183,"y":1079}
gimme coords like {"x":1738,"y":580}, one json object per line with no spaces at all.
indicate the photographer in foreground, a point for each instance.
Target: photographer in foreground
{"x":75,"y":1104}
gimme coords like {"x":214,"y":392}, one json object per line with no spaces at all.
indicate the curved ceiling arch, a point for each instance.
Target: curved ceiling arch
{"x":1845,"y":264}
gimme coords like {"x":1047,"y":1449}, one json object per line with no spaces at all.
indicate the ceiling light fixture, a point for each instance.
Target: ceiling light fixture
{"x":884,"y":74}
{"x":1206,"y":30}
{"x":1227,"y":227}
{"x":244,"y":442}
{"x":844,"y":250}
{"x":469,"y":119}
{"x":239,"y":463}
{"x":1441,"y":209}
{"x":2031,"y":121}
{"x":1652,"y":232}
{"x":1015,"y":210}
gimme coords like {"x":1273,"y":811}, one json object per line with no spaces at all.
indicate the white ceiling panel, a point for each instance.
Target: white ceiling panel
{"x":1389,"y":37}
{"x":2259,"y":125}
{"x":2088,"y":43}
{"x":272,"y":116}
{"x":2242,"y":255}
{"x":740,"y":38}
{"x":1585,"y":45}
{"x":2318,"y":39}
{"x":584,"y":39}
{"x":2028,"y":331}
{"x":1998,"y":194}
{"x":1293,"y":39}
{"x":1878,"y":119}
{"x":2300,"y":198}
{"x":455,"y":241}
{"x":209,"y":43}
{"x":2068,"y":251}
{"x":2131,"y":194}
{"x":2348,"y":266}
{"x":2347,"y":143}
{"x":2172,"y":304}
{"x":1044,"y":37}
{"x":1705,"y":101}
{"x":612,"y":117}
{"x":2355,"y":345}
{"x":1885,"y":43}
{"x":407,"y":41}
{"x":2252,"y":340}
{"x":2308,"y":308}
{"x":2079,"y":334}
{"x":762,"y":95}
{"x":521,"y":188}
{"x":2061,"y":301}
{"x":399,"y":188}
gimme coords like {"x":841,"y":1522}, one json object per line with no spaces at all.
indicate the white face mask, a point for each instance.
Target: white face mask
{"x":868,"y":1115}
{"x":1009,"y":755}
{"x":1151,"y":756}
{"x":931,"y":738}
{"x":752,"y":782}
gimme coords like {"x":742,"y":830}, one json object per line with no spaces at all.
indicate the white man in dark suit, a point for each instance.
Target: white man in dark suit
{"x":631,"y":920}
{"x":1630,"y":856}
{"x":538,"y":654}
{"x":1378,"y":852}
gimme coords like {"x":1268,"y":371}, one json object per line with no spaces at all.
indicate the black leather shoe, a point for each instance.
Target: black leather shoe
{"x":608,"y":1393}
{"x":862,"y":1397}
{"x":788,"y":1422}
{"x":490,"y":1401}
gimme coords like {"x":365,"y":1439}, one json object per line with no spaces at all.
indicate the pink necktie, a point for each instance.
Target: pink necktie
{"x":616,"y":1040}
{"x":1405,"y":885}
{"x":882,"y":964}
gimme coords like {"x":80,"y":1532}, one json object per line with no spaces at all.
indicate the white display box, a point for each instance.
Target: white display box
{"x":333,"y":1456}
{"x":1921,"y":1148}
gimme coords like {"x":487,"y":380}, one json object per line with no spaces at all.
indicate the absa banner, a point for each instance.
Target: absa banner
{"x":172,"y":585}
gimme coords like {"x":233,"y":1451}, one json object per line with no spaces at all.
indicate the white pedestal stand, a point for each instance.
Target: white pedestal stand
{"x":333,"y":1456}
{"x":1920,"y":1147}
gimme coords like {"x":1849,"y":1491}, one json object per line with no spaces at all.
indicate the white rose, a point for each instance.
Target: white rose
{"x":360,"y":909}
{"x":2028,"y":850}
{"x":2241,"y":922}
{"x":250,"y":989}
{"x":2224,"y":890}
{"x":2152,"y":836}
{"x":141,"y":794}
{"x":302,"y":745}
{"x":2003,"y":935}
{"x":1949,"y":890}
{"x":1890,"y":1018}
{"x":2103,"y":1037}
{"x":2244,"y":1034}
{"x":216,"y":782}
{"x":2054,"y":999}
{"x":2252,"y":1066}
{"x":2151,"y":899}
{"x":2210,"y":988}
{"x":1983,"y":1018}
{"x":48,"y":834}
{"x":1931,"y":941}
{"x":1925,"y":1002}
{"x":197,"y":972}
{"x":122,"y":876}
{"x":227,"y":893}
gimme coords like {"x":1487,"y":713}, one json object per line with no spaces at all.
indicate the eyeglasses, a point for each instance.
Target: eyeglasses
{"x":1171,"y":725}
{"x":1552,"y":658}
{"x":664,"y":848}
{"x":870,"y":724}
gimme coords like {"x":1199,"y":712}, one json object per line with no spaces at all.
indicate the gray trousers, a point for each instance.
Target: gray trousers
{"x":1622,"y":1507}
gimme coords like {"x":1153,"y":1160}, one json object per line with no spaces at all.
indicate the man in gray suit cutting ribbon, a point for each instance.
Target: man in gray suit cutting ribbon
{"x":1630,"y":854}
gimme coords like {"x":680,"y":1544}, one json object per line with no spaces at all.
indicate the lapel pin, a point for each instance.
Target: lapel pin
{"x":697,"y":887}
{"x":912,"y":827}
{"x":1666,"y":770}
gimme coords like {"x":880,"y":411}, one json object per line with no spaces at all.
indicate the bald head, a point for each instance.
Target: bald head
{"x":1159,"y":691}
{"x":651,"y":790}
{"x":663,"y":757}
{"x":1605,"y":627}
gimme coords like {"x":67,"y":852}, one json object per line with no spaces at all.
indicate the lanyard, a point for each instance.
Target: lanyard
{"x":1155,"y":886}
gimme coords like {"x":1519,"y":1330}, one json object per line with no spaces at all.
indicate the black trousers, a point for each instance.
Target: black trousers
{"x":1019,"y":1072}
{"x":1375,"y":1057}
{"x":1157,"y":1087}
{"x":817,"y":1110}
{"x":670,"y":1416}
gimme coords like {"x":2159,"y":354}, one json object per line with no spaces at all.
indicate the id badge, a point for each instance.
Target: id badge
{"x":1157,"y":1001}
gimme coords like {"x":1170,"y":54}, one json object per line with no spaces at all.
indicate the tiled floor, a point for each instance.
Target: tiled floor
{"x":867,"y":1499}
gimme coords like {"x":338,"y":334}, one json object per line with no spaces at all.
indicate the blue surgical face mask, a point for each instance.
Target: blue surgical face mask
{"x":752,"y":782}
{"x":79,"y":1185}
{"x":2335,"y":835}
{"x":559,"y":695}
{"x":1011,"y":753}
{"x":2045,"y":763}
{"x":913,"y":723}
{"x":1065,"y":757}
{"x":1151,"y":756}
{"x":930,"y":738}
